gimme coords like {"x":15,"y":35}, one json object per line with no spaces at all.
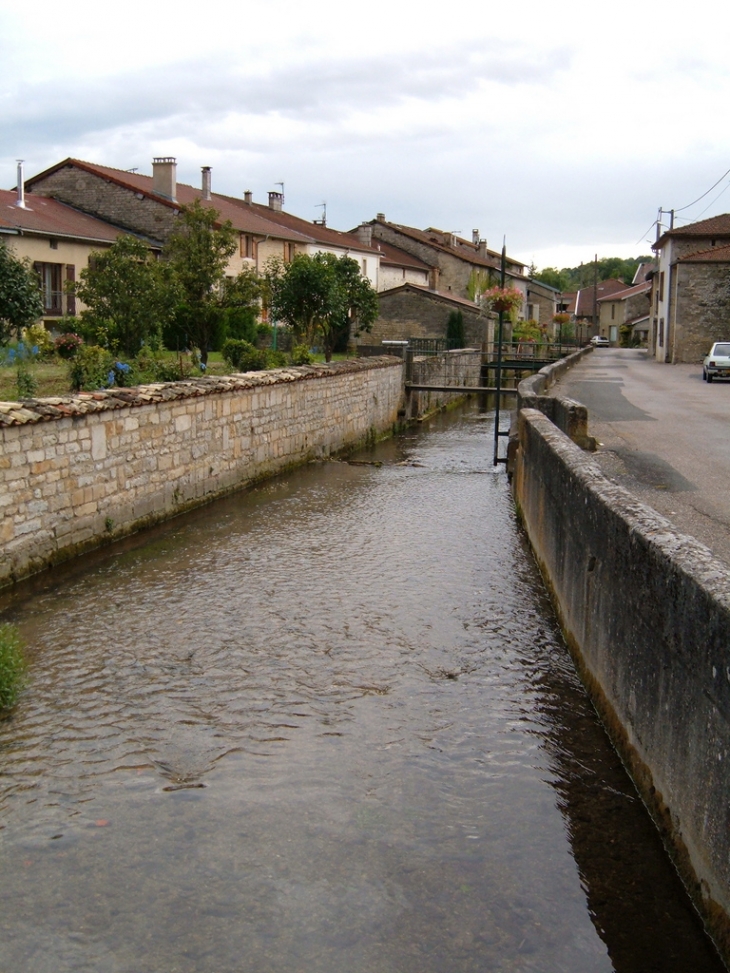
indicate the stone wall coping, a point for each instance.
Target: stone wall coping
{"x":29,"y":411}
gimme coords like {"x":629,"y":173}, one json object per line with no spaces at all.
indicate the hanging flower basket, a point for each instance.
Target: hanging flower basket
{"x":501,"y":299}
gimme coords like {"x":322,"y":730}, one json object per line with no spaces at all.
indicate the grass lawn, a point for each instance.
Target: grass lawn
{"x":53,"y":378}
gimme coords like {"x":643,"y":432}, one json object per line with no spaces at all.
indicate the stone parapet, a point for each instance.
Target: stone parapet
{"x":78,"y":470}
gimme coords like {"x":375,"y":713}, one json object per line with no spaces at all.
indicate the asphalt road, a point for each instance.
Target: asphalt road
{"x":664,"y":434}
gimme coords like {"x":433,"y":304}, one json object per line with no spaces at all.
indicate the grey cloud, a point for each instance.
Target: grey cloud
{"x":200,"y":92}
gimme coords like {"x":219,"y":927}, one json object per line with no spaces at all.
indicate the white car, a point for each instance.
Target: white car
{"x":599,"y":341}
{"x":717,"y":362}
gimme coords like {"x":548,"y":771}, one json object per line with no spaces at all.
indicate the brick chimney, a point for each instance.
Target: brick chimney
{"x":164,"y":177}
{"x":206,"y":181}
{"x":276,"y":201}
{"x":364,"y":233}
{"x":248,"y":197}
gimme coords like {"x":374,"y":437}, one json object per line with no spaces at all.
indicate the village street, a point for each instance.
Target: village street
{"x":664,"y":434}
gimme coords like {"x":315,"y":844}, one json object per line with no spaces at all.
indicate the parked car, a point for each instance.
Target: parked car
{"x":599,"y":341}
{"x":717,"y":362}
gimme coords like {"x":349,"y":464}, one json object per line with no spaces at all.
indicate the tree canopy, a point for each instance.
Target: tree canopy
{"x":129,"y":296}
{"x":20,"y":294}
{"x":320,"y":298}
{"x":197,"y":252}
{"x":571,"y":279}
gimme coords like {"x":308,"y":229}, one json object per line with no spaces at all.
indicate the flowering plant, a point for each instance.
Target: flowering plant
{"x":503,"y":299}
{"x":68,"y":344}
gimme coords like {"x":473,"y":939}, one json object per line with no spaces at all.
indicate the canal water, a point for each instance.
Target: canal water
{"x":327,"y":725}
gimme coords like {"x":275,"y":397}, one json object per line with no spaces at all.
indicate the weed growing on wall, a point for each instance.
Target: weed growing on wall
{"x":12,"y":666}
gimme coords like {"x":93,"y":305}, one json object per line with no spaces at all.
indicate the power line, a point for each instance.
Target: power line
{"x":714,"y":201}
{"x":714,"y":185}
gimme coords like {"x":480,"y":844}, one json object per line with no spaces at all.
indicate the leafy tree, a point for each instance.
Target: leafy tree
{"x":20,"y":295}
{"x":320,"y":298}
{"x":198,"y":251}
{"x":129,"y":296}
{"x":571,"y":279}
{"x":455,"y":335}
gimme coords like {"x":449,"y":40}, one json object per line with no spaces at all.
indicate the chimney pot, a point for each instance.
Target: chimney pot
{"x":248,"y":197}
{"x":482,"y":248}
{"x":20,"y":201}
{"x":380,"y":217}
{"x":475,"y":237}
{"x":206,"y":181}
{"x":164,"y":177}
{"x":275,"y":201}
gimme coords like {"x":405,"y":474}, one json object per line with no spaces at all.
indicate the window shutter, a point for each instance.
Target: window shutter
{"x":70,"y":293}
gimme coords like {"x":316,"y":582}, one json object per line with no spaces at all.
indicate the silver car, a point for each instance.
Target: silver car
{"x":717,"y":363}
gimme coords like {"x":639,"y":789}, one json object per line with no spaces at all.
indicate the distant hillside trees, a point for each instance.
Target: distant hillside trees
{"x":571,"y":279}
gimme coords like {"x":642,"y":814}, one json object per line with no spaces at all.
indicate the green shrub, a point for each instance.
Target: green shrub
{"x":36,"y":336}
{"x":242,"y":356}
{"x":90,"y":368}
{"x":301,"y":355}
{"x":25,"y":382}
{"x":12,"y":666}
{"x":455,"y":334}
{"x":275,"y":359}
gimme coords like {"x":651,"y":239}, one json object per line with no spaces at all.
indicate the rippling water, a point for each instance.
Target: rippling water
{"x":325,"y":725}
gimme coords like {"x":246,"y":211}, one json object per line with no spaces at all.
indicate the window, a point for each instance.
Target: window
{"x":661,"y":286}
{"x":51,"y":278}
{"x":364,"y":268}
{"x":53,"y":244}
{"x":613,"y":312}
{"x":248,"y":246}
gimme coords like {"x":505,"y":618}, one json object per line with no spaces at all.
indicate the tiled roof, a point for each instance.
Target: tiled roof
{"x":714,"y":255}
{"x":246,"y":220}
{"x":51,"y":218}
{"x":315,"y":232}
{"x":428,"y":292}
{"x":584,"y":297}
{"x":714,"y":226}
{"x":464,"y":249}
{"x":391,"y":256}
{"x":643,"y":288}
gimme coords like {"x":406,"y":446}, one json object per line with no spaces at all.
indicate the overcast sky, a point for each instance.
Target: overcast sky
{"x":562,"y":126}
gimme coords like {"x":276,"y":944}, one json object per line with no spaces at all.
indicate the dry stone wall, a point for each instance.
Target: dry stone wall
{"x":76,"y":471}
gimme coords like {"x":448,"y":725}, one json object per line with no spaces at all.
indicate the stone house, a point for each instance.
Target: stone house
{"x":583,"y":306}
{"x":149,"y":205}
{"x":454,"y":262}
{"x":57,"y":239}
{"x":411,"y":311}
{"x":691,"y":290}
{"x":396,"y":266}
{"x":626,"y":308}
{"x":541,"y":303}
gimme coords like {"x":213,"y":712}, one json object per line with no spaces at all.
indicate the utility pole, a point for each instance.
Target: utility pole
{"x":500,"y":328}
{"x":595,"y":291}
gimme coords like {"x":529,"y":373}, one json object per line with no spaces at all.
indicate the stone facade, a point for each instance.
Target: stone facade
{"x":414,"y":312}
{"x":77,"y":471}
{"x":101,"y":197}
{"x":701,"y":312}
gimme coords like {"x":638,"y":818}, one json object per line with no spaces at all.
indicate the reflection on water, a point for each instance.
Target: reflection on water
{"x":325,"y":725}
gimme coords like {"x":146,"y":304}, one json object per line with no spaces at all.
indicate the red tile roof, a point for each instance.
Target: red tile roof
{"x":428,"y":292}
{"x":464,"y":249}
{"x":316,"y":233}
{"x":643,"y":288}
{"x":391,"y":256}
{"x":584,"y":297}
{"x":713,"y":227}
{"x":51,"y":218}
{"x":246,"y":220}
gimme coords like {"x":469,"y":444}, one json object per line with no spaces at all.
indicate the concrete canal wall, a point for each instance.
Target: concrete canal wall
{"x":646,"y":612}
{"x":79,"y":470}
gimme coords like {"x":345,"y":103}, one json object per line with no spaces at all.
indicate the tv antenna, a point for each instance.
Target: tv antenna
{"x":323,"y":207}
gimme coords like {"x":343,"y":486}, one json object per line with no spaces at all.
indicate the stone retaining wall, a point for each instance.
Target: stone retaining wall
{"x":646,"y":612}
{"x":461,"y":367}
{"x":76,"y":471}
